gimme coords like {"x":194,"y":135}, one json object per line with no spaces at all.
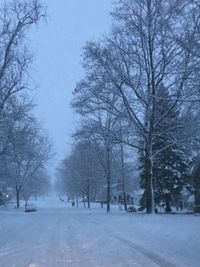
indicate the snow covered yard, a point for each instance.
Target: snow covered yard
{"x":58,"y":235}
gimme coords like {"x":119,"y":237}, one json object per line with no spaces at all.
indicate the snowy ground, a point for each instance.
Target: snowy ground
{"x":58,"y":235}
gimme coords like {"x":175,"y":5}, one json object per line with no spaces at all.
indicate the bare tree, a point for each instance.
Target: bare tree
{"x":28,"y":152}
{"x":95,"y":98}
{"x":36,"y":185}
{"x":16,"y":18}
{"x":142,"y":54}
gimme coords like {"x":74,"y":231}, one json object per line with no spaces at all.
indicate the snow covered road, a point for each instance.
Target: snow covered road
{"x":59,"y":235}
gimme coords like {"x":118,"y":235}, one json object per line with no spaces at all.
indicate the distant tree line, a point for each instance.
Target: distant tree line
{"x":141,"y":89}
{"x":83,"y":175}
{"x":24,"y":146}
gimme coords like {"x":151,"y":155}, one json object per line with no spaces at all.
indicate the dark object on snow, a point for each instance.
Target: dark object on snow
{"x":73,"y":204}
{"x":131,"y":209}
{"x":30,"y":208}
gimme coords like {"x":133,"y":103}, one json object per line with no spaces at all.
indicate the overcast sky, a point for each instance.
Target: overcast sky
{"x":57,"y":47}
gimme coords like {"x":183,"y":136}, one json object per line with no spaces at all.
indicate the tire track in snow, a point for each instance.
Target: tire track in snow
{"x":154,"y":257}
{"x":76,"y":255}
{"x":108,"y":250}
{"x":29,"y":243}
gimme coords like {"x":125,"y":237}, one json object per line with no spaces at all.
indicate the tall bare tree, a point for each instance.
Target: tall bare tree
{"x":142,"y":54}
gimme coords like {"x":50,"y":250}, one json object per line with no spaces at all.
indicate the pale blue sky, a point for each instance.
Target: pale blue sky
{"x":57,"y":46}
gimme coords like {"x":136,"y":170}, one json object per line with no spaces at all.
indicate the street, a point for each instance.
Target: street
{"x":59,"y":235}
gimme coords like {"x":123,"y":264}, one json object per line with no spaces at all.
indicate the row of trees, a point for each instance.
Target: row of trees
{"x":24,"y":146}
{"x":141,"y":89}
{"x":84,"y":173}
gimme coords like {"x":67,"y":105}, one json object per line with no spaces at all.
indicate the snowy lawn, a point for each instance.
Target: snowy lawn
{"x":58,"y":235}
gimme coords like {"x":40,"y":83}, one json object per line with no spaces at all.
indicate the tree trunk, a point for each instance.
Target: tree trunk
{"x":108,"y":196}
{"x":197,"y":200}
{"x":123,"y":177}
{"x":88,"y":193}
{"x":108,"y":176}
{"x":88,"y":202}
{"x":151,"y":113}
{"x":149,"y":184}
{"x":125,"y":201}
{"x":167,"y":202}
{"x":17,"y":196}
{"x":196,"y":182}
